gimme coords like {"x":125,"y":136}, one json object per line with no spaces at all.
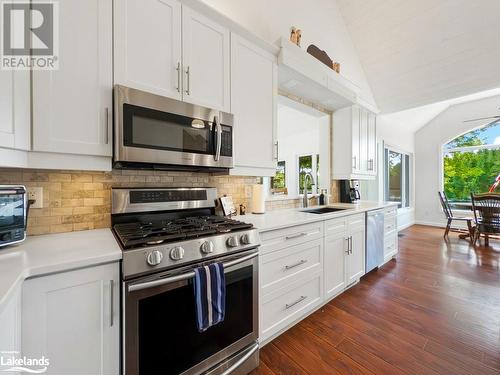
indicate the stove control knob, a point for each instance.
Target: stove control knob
{"x":154,"y":257}
{"x":232,"y":242}
{"x":245,"y":239}
{"x":177,"y":253}
{"x":207,"y":247}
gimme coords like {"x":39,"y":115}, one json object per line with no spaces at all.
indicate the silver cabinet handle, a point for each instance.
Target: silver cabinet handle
{"x":354,"y":162}
{"x":277,"y":150}
{"x":188,"y":88}
{"x":111,"y":302}
{"x":288,"y":305}
{"x":178,"y":69}
{"x":350,"y":244}
{"x":218,"y":133}
{"x":295,"y":236}
{"x":106,"y":135}
{"x":299,"y":263}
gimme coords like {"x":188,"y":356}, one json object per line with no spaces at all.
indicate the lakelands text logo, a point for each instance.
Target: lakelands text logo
{"x":13,"y":362}
{"x":29,"y":35}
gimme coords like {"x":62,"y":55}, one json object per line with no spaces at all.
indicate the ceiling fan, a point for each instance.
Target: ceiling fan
{"x":484,"y":118}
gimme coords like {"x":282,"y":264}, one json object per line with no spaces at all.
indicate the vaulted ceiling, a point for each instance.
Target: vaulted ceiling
{"x":417,"y":52}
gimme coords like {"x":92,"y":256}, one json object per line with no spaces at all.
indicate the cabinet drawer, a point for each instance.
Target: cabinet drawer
{"x":279,"y":268}
{"x":391,"y":212}
{"x":356,"y":222}
{"x":278,"y":239}
{"x":390,"y":224}
{"x":390,"y":244}
{"x":281,"y":308}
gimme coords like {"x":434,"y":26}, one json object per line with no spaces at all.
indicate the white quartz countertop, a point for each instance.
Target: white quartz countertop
{"x":40,"y":255}
{"x":278,"y":219}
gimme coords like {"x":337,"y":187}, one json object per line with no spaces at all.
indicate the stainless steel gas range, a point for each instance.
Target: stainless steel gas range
{"x":165,"y":234}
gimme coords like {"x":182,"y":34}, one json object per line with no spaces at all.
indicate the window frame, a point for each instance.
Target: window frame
{"x":460,"y":206}
{"x":406,"y":176}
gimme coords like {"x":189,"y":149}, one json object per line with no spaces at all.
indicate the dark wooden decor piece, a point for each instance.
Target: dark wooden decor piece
{"x":323,"y":57}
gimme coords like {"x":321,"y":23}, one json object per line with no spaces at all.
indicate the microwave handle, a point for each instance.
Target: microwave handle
{"x":218,"y":138}
{"x":184,"y":276}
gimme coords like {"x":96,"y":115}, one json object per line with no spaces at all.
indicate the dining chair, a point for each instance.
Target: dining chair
{"x":445,"y":204}
{"x":486,"y":209}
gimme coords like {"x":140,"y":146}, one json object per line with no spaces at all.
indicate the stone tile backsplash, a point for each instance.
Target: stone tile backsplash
{"x":75,"y":200}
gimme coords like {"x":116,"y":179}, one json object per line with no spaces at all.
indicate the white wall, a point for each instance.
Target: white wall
{"x":428,"y":147}
{"x":320,"y":21}
{"x":392,"y":131}
{"x":301,"y":133}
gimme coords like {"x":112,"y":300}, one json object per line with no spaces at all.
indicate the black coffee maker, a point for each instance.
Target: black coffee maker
{"x":349,"y":191}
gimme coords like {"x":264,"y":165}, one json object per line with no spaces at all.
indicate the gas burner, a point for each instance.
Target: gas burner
{"x":136,"y":234}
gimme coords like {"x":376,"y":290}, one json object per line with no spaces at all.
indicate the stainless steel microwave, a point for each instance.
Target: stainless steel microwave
{"x":152,"y":131}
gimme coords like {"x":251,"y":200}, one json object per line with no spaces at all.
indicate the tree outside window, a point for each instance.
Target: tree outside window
{"x":471,"y":162}
{"x":308,"y":164}
{"x":279,"y":179}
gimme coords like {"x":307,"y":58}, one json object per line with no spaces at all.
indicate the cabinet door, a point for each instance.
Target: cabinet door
{"x":72,"y":105}
{"x":10,"y":328}
{"x":356,"y":141}
{"x":72,"y":319}
{"x":372,"y":144}
{"x":147,"y":46}
{"x":253,"y":88}
{"x":15,"y":109}
{"x":334,"y":268}
{"x":363,"y":141}
{"x":356,"y":259}
{"x":205,"y":56}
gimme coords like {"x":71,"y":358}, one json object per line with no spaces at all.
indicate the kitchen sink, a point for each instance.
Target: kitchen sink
{"x":323,"y":210}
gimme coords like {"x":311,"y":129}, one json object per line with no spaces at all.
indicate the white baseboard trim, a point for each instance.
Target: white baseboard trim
{"x":404,"y":226}
{"x":430,"y":223}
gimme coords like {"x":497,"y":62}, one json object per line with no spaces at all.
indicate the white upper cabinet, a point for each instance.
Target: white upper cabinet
{"x":72,"y":106}
{"x":206,"y":58}
{"x":15,"y":109}
{"x":354,"y":142}
{"x":253,"y":103}
{"x":147,"y":46}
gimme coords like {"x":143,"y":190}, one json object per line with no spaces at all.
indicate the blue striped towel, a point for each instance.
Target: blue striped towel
{"x":210,"y":295}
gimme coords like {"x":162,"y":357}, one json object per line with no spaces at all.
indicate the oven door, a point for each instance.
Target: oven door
{"x":160,"y":333}
{"x":157,"y":130}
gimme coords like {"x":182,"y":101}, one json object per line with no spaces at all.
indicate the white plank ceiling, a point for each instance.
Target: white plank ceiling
{"x":417,"y":52}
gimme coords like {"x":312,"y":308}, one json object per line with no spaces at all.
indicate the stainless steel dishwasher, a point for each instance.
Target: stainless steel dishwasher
{"x":374,"y":239}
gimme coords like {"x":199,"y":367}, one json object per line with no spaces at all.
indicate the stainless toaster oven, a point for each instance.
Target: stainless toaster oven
{"x":13,"y":210}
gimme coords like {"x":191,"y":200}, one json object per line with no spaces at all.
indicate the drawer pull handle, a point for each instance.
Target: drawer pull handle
{"x":299,"y":263}
{"x":295,"y":236}
{"x":288,"y":305}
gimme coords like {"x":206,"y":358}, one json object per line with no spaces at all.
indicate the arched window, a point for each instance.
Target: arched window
{"x":471,"y":162}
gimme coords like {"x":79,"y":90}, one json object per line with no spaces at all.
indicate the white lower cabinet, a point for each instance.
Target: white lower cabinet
{"x":390,"y":233}
{"x":10,"y":332}
{"x":72,"y":318}
{"x":303,"y":266}
{"x":344,"y":255}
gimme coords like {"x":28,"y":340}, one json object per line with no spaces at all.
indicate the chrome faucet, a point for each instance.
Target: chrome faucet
{"x":305,"y":201}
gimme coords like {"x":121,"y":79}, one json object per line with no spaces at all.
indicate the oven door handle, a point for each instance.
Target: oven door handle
{"x":240,"y":361}
{"x":184,"y":276}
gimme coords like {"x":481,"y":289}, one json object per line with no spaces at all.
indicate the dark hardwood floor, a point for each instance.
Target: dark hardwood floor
{"x":433,"y":310}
